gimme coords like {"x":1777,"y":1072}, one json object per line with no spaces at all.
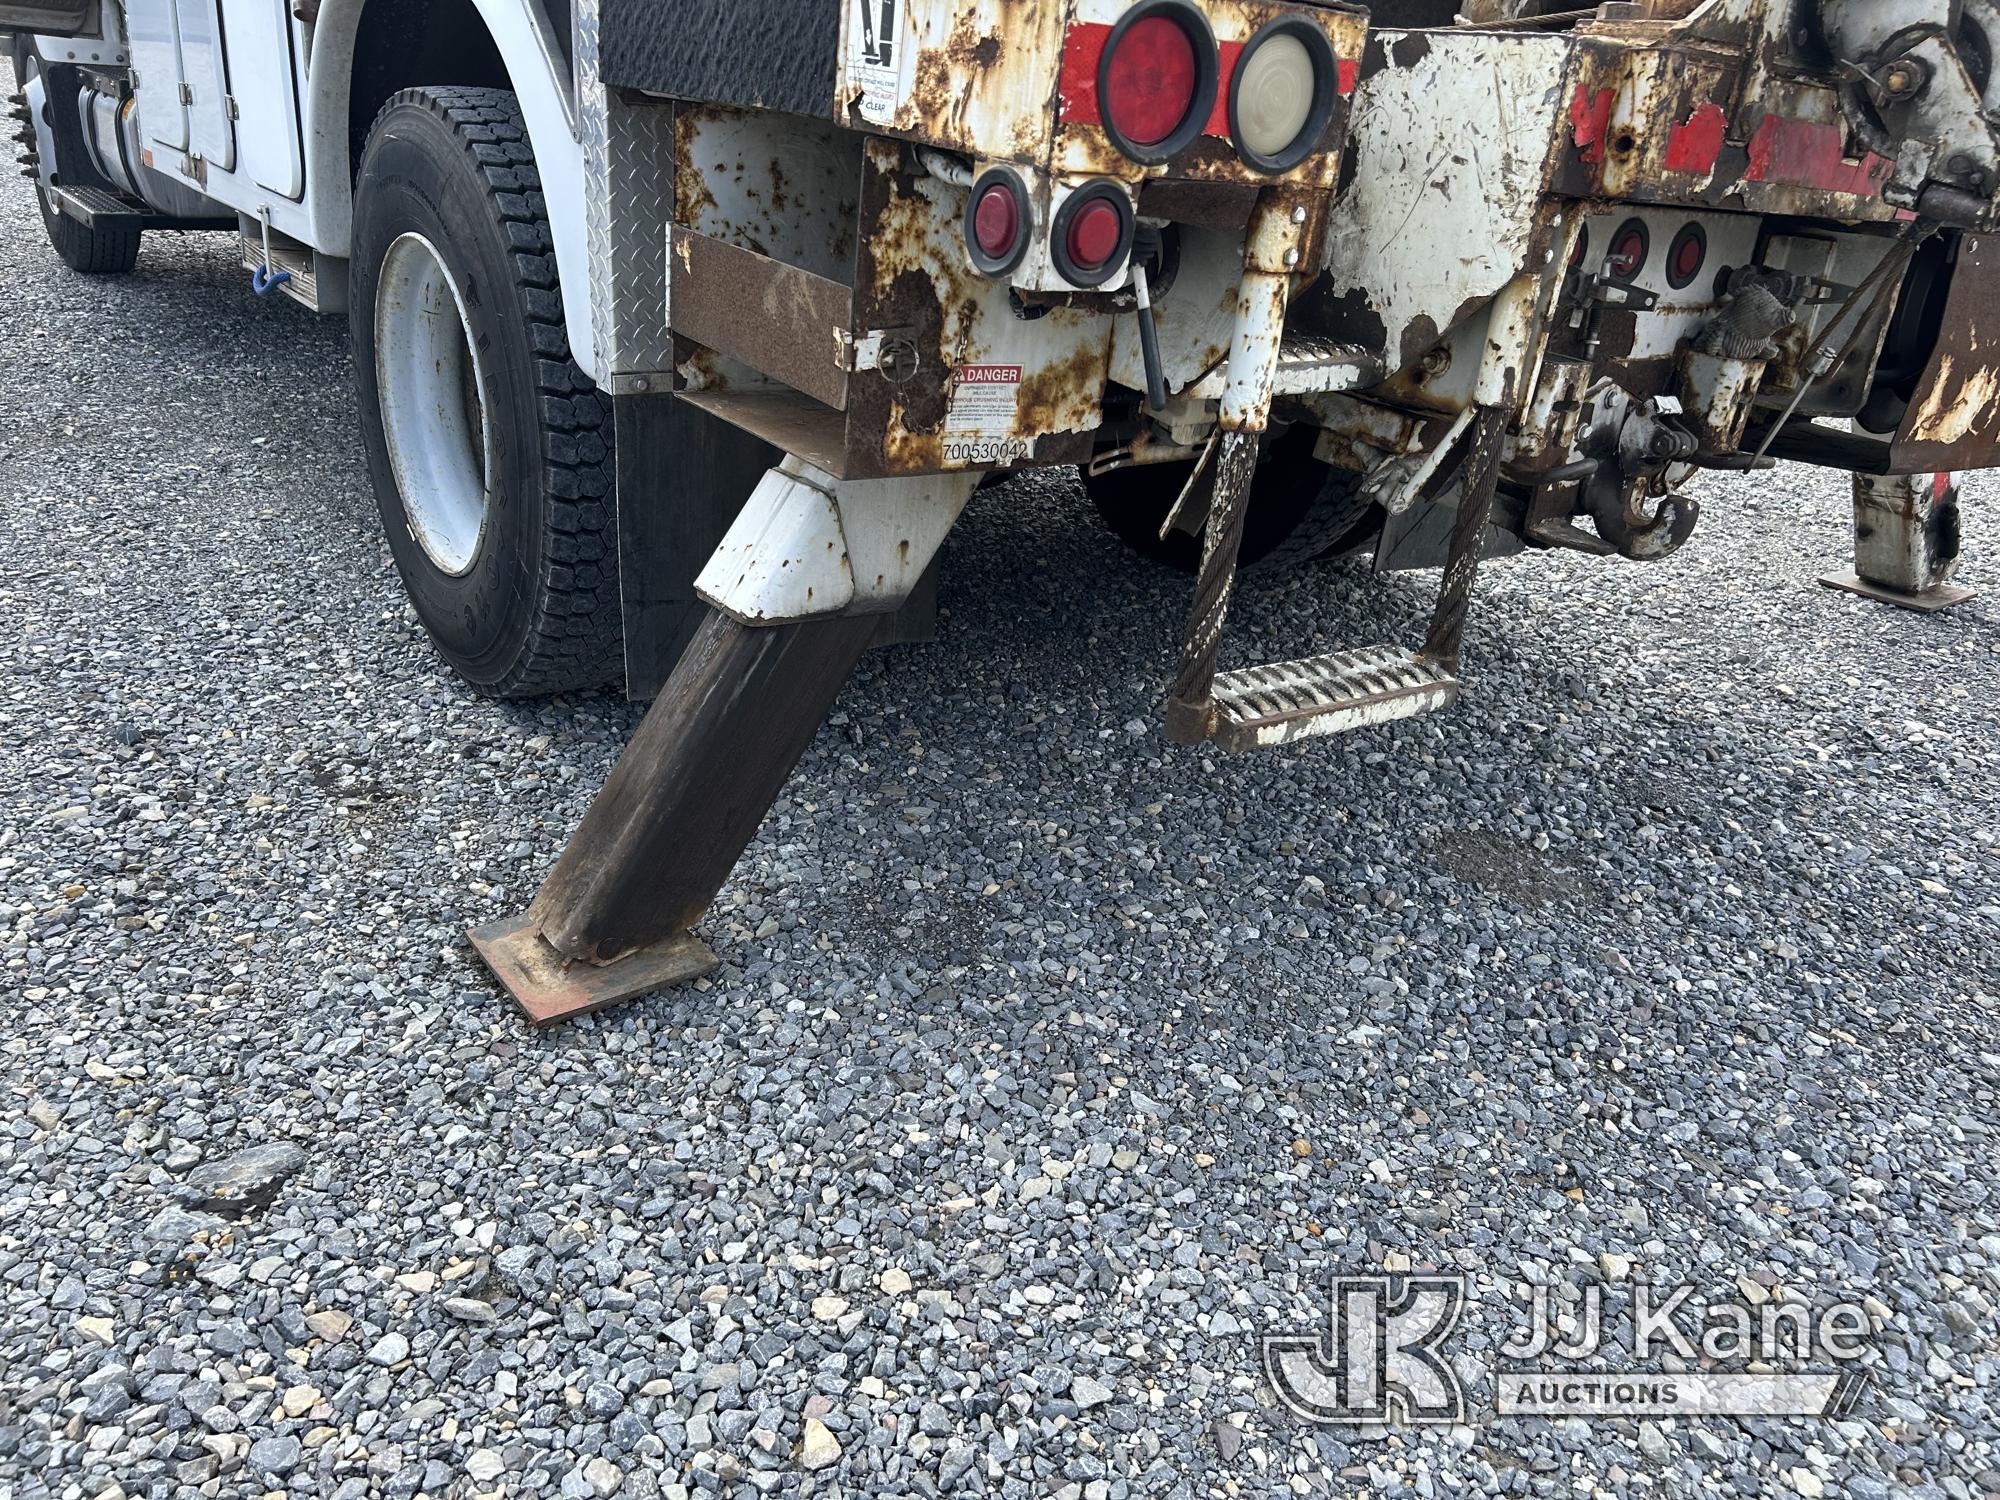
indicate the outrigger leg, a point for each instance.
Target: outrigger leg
{"x":796,"y":593}
{"x":1906,"y":542}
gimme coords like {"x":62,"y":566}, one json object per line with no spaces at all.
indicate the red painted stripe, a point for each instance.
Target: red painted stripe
{"x":1076,"y":85}
{"x":1590,"y":120}
{"x":1807,"y":153}
{"x":1696,"y":146}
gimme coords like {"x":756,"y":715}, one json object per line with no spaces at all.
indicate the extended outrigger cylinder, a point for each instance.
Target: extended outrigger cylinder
{"x":612,"y":920}
{"x":796,"y":592}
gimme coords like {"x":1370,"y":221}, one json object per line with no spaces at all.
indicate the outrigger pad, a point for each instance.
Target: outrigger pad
{"x":550,"y":988}
{"x":1933,"y":600}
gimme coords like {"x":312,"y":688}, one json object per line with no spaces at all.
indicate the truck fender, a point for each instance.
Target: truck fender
{"x":537,"y":75}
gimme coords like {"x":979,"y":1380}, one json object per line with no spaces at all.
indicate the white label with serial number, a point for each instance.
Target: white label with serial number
{"x":979,"y":423}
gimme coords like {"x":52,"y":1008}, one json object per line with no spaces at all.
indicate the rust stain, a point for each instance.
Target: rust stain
{"x":1063,"y":397}
{"x":692,"y":199}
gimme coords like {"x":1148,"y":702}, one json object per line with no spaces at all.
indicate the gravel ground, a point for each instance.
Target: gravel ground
{"x":1048,"y":1064}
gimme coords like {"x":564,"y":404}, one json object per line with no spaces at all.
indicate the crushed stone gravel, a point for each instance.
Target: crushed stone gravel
{"x":1049,"y":1065}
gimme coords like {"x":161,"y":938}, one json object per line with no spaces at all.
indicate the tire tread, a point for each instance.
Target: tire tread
{"x":89,"y":252}
{"x":575,"y":642}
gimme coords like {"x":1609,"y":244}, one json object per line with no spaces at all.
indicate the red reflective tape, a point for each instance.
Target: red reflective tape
{"x":1590,"y":120}
{"x":1076,"y":84}
{"x":1696,"y":146}
{"x":1807,"y":153}
{"x":1350,"y":75}
{"x":1218,"y":119}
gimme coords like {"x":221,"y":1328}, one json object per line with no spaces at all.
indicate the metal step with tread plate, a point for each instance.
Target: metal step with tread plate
{"x":1260,"y":707}
{"x":1307,"y":365}
{"x":96,"y":209}
{"x":101,"y":210}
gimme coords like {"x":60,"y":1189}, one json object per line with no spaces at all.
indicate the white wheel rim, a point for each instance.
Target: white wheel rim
{"x":435,"y":414}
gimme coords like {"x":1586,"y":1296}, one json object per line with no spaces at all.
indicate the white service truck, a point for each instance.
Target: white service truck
{"x":684,"y":329}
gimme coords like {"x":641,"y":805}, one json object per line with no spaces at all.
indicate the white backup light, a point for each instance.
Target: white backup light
{"x":1276,"y":97}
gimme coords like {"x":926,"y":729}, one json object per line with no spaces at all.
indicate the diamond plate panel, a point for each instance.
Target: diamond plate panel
{"x":628,"y":164}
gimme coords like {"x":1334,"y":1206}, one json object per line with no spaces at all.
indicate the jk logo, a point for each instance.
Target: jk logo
{"x":1380,"y":1361}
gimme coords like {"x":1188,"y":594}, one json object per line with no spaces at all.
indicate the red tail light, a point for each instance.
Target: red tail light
{"x":1092,"y":233}
{"x":1156,"y":82}
{"x":1150,"y":83}
{"x":1629,"y":249}
{"x":1686,"y":256}
{"x":996,"y":222}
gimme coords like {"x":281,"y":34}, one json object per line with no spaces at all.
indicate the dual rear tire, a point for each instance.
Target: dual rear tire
{"x":1300,"y":509}
{"x":87,"y":251}
{"x":490,"y":451}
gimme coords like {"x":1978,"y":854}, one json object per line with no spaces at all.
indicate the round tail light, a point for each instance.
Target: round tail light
{"x":1281,"y":96}
{"x":1092,"y":234}
{"x":996,"y":222}
{"x":1686,"y":256}
{"x":1156,"y":81}
{"x":1629,"y":248}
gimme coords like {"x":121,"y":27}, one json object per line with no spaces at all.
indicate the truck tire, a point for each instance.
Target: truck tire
{"x":93,"y":252}
{"x":1300,"y":509}
{"x":489,"y":449}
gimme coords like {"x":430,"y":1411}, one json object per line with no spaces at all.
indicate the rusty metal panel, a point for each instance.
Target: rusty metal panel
{"x":778,"y":319}
{"x":969,"y":75}
{"x":780,"y":185}
{"x":1438,"y":218}
{"x":1954,"y":420}
{"x":971,"y":385}
{"x":1713,"y":110}
{"x":1083,"y":147}
{"x":1016,"y":81}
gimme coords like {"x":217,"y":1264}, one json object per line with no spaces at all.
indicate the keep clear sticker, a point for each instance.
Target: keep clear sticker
{"x":875,"y":48}
{"x":979,"y":423}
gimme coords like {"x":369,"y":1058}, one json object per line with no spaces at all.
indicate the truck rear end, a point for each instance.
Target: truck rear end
{"x":1433,"y":282}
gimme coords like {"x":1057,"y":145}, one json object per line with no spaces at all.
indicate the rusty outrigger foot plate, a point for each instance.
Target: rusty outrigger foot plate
{"x":550,"y":988}
{"x":1931,"y":601}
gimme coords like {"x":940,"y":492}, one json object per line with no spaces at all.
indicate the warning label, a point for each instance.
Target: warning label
{"x":875,"y":58}
{"x":979,"y":424}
